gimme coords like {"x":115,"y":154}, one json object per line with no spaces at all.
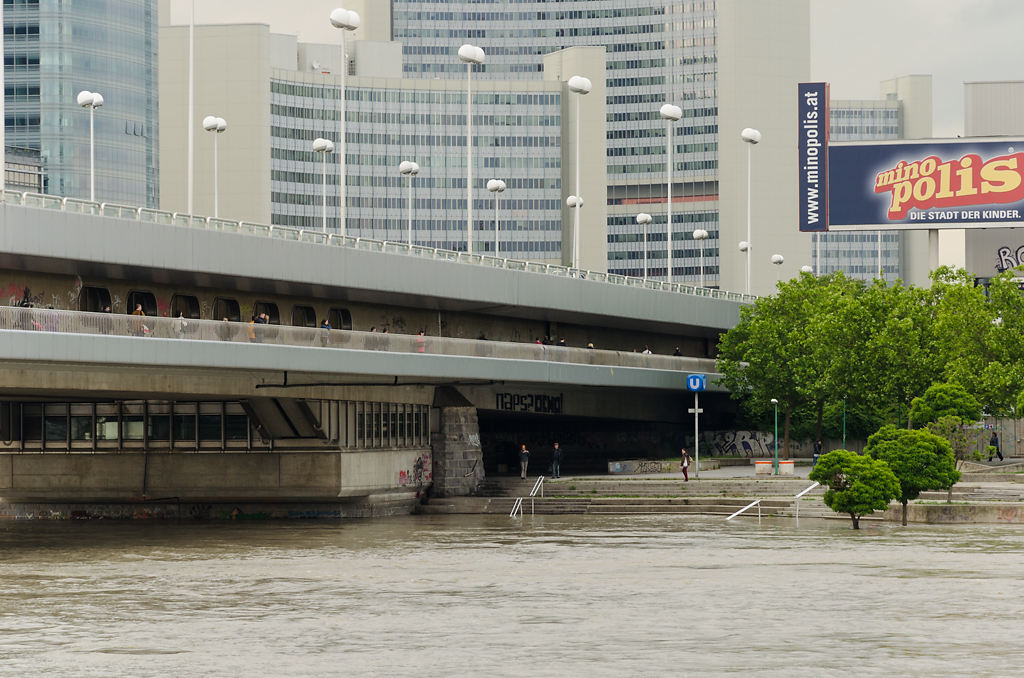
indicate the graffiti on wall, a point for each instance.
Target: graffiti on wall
{"x":740,"y":443}
{"x":419,"y":475}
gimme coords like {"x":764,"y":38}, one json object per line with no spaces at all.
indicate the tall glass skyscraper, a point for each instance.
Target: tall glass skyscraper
{"x":657,"y":51}
{"x":55,"y":48}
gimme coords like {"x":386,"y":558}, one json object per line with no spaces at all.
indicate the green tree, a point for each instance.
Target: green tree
{"x":920,"y":460}
{"x":857,"y":484}
{"x":944,"y":400}
{"x":784,"y":347}
{"x":897,"y":360}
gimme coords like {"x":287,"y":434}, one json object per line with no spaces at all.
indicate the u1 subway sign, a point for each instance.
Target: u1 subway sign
{"x":950,"y":184}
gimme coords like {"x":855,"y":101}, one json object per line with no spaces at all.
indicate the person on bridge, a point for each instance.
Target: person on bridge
{"x":524,"y":460}
{"x":180,"y":325}
{"x":685,"y":464}
{"x":556,"y":461}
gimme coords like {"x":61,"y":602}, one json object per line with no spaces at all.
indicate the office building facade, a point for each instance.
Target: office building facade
{"x":53,"y":50}
{"x":278,"y":95}
{"x":726,"y":65}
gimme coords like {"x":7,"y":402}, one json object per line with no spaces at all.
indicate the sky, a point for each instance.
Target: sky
{"x":855,"y":44}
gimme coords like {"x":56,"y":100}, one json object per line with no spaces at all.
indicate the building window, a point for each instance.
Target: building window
{"x":226,"y":308}
{"x":303,"y":316}
{"x":340,"y":319}
{"x":93,"y":299}
{"x":146,"y":299}
{"x":183,"y":304}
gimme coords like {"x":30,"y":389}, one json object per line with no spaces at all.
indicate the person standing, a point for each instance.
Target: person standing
{"x":524,"y":460}
{"x":685,"y":464}
{"x":556,"y":461}
{"x":993,"y":447}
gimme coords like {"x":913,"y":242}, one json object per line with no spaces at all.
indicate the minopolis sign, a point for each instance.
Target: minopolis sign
{"x":962,"y":183}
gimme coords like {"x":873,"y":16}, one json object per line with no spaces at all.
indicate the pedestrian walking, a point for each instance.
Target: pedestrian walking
{"x":180,"y":325}
{"x":556,"y":461}
{"x":524,"y":460}
{"x":685,"y":464}
{"x":817,"y":452}
{"x":993,"y":447}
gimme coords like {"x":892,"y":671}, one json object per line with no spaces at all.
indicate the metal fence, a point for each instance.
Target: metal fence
{"x":142,"y":214}
{"x":187,"y":329}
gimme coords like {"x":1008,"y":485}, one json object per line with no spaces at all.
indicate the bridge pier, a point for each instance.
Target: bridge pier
{"x":455,"y":442}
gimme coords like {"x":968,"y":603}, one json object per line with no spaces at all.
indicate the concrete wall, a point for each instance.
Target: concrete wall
{"x":270,"y":477}
{"x":232,"y":82}
{"x":763,"y":53}
{"x":588,"y":62}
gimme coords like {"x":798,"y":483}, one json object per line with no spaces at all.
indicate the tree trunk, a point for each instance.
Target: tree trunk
{"x":856,"y":521}
{"x":821,"y":415}
{"x":904,"y":513}
{"x":949,"y":495}
{"x":785,"y":445}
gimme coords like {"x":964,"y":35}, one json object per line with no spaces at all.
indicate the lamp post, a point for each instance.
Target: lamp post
{"x":751,"y":136}
{"x":92,"y":101}
{"x":346,"y":20}
{"x":581,"y":87}
{"x":217,"y":126}
{"x":700,"y":235}
{"x":775,"y":463}
{"x":495,"y":186}
{"x":575,"y":202}
{"x":323,"y":147}
{"x":778,"y":260}
{"x":643,"y":219}
{"x":670,"y":113}
{"x":470,"y":55}
{"x":409,"y":169}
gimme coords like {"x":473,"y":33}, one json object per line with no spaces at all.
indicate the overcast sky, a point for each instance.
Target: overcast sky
{"x":855,"y":44}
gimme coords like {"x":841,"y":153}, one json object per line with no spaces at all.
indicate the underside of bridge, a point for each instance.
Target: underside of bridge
{"x":588,"y":443}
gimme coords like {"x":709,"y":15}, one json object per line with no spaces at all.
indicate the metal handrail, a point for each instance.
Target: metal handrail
{"x":796,"y":499}
{"x":756,"y":502}
{"x":147,"y":215}
{"x":539,"y":485}
{"x":517,"y":507}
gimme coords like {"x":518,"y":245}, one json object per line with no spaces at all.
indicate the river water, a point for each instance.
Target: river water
{"x":487,"y":596}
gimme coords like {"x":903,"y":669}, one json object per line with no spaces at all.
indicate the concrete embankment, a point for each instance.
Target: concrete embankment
{"x":982,"y":502}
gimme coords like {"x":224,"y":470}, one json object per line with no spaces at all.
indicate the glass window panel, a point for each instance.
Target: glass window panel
{"x":106,"y":427}
{"x":159,"y":426}
{"x":184,"y":427}
{"x":209,"y":427}
{"x":133,"y":427}
{"x":81,"y":427}
{"x":56,"y":427}
{"x":236,"y":427}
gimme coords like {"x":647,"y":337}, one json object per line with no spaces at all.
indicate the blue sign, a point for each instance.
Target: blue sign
{"x":696,"y":382}
{"x":927,"y":184}
{"x":812,"y":159}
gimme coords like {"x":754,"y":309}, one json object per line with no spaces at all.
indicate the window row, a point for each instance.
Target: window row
{"x":97,"y":300}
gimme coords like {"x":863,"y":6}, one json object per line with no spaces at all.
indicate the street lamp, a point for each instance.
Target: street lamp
{"x":92,"y":101}
{"x":751,"y":136}
{"x":778,"y":260}
{"x":580,"y":86}
{"x":643,"y":219}
{"x":671,"y":114}
{"x":217,"y":126}
{"x":470,"y":55}
{"x":495,"y":186}
{"x":346,"y":20}
{"x":700,"y":235}
{"x":409,"y":169}
{"x":323,"y":147}
{"x":775,"y":464}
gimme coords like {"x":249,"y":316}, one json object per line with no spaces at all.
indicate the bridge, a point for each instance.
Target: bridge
{"x":105,"y":409}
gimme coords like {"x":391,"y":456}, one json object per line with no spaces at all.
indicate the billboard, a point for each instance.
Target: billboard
{"x":926,"y":185}
{"x":812,"y":158}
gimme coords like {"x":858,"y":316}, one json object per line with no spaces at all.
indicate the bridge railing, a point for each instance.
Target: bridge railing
{"x":82,"y":322}
{"x":146,"y":215}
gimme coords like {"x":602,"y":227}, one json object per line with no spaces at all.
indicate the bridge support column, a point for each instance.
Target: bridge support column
{"x":458,"y":458}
